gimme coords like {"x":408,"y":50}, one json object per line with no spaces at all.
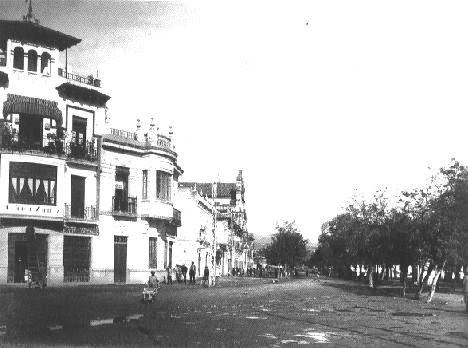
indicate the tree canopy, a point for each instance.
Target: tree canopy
{"x":427,"y":227}
{"x":287,"y":246}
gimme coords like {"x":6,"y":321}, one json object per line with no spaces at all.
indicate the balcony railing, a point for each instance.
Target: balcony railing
{"x":124,"y":207}
{"x":88,"y":80}
{"x":177,"y":216}
{"x":86,"y":152}
{"x":87,"y":213}
{"x":52,"y":147}
{"x":123,"y":133}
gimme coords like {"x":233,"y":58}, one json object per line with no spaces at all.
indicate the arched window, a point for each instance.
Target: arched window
{"x":45,"y":63}
{"x":18,"y":58}
{"x":32,"y":60}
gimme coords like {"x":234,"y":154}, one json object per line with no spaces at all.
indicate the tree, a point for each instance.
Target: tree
{"x":287,"y":246}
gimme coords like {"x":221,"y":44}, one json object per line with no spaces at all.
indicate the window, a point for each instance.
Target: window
{"x":153,"y":252}
{"x":18,"y":58}
{"x":45,"y":63}
{"x":32,"y":183}
{"x":32,"y":60}
{"x":3,"y":53}
{"x":163,"y":185}
{"x":144,"y":194}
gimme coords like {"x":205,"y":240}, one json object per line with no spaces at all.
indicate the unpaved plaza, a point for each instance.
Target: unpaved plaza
{"x":238,"y":312}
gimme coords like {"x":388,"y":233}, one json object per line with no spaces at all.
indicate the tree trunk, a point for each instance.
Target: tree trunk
{"x":370,"y":274}
{"x":382,"y":274}
{"x":422,"y":282}
{"x":414,"y":273}
{"x":403,"y":275}
{"x":434,"y":283}
{"x":387,"y":273}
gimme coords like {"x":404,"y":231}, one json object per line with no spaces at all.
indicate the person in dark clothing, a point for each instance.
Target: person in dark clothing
{"x":192,"y":271}
{"x":184,"y":273}
{"x":206,"y":277}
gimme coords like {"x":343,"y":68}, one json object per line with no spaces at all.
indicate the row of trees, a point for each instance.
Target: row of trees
{"x":425,"y":227}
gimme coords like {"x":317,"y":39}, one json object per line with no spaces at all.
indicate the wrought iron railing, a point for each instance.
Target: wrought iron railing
{"x":126,"y":206}
{"x":85,"y":213}
{"x":88,"y":80}
{"x":75,"y":274}
{"x":52,"y":147}
{"x":86,"y":151}
{"x":123,"y":133}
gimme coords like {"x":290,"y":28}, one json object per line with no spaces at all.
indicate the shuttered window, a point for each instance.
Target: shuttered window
{"x":163,"y":185}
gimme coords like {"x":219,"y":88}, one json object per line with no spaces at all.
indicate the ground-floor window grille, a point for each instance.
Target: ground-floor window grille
{"x":76,"y":258}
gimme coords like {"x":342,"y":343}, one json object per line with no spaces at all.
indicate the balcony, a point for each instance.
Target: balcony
{"x":123,"y":133}
{"x":86,"y":214}
{"x":87,"y":152}
{"x":124,"y":207}
{"x":87,"y":80}
{"x":177,"y":217}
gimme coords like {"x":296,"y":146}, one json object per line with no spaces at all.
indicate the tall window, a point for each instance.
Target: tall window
{"x":18,"y":58}
{"x":163,"y":185}
{"x":32,"y":60}
{"x":45,"y":63}
{"x":32,"y":183}
{"x":153,"y":252}
{"x":144,"y":194}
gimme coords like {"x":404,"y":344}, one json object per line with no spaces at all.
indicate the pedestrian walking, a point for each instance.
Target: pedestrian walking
{"x":206,"y":276}
{"x":192,"y":271}
{"x":465,"y":289}
{"x":184,"y":272}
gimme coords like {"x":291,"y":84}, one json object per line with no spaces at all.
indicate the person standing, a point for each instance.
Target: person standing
{"x":192,"y":271}
{"x":184,"y":273}
{"x":206,"y":276}
{"x":465,"y":289}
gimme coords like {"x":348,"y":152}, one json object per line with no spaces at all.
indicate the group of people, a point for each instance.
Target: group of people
{"x":180,"y":272}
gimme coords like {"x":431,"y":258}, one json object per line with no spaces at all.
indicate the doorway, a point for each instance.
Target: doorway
{"x":30,"y":131}
{"x":77,"y":196}
{"x":120,"y":259}
{"x":21,"y":259}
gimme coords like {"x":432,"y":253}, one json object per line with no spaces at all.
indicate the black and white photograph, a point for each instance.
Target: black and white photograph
{"x":233,"y":173}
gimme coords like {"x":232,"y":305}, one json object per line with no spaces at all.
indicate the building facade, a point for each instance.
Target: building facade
{"x":234,"y":245}
{"x":50,"y":134}
{"x":196,"y":239}
{"x":138,"y":221}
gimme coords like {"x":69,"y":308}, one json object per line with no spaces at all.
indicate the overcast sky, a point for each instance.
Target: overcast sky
{"x":311,"y":99}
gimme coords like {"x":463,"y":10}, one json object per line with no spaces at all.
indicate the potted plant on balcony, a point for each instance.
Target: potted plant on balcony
{"x":59,"y":140}
{"x":5,"y":135}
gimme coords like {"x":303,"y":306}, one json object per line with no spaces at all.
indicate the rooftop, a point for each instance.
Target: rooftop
{"x":223,"y":190}
{"x":36,"y":33}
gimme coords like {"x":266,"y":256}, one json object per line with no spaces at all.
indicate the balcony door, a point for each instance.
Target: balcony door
{"x":77,"y":196}
{"x":30,"y":131}
{"x":121,"y":189}
{"x":79,"y":130}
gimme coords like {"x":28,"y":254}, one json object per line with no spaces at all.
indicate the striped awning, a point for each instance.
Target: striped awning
{"x":19,"y":104}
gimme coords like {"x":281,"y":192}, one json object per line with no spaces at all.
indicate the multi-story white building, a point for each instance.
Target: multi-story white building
{"x":50,"y":134}
{"x":196,"y":240}
{"x":138,"y":221}
{"x":234,"y":247}
{"x":79,"y":201}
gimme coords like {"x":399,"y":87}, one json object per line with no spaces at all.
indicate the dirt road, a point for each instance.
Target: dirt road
{"x":239,"y":312}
